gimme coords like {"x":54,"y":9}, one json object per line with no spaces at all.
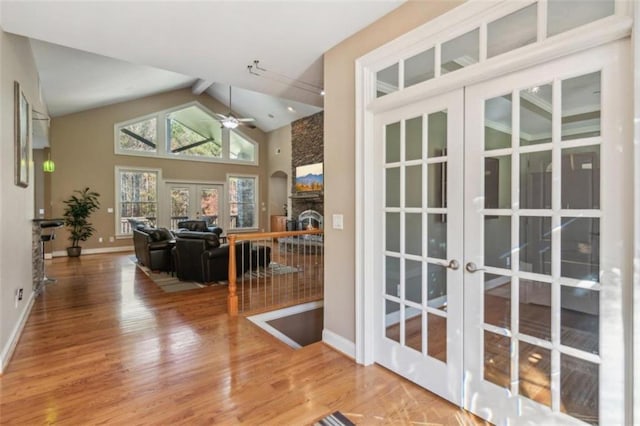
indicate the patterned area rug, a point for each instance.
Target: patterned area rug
{"x":334,"y":419}
{"x":168,"y":283}
{"x":271,"y":270}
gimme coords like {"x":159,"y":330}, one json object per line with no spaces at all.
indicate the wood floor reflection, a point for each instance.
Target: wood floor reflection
{"x":105,"y":345}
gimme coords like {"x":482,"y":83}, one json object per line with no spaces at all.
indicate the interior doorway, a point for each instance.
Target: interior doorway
{"x":279,"y":194}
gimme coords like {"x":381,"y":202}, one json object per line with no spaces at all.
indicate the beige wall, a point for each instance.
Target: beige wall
{"x":16,"y":203}
{"x":279,"y":161}
{"x":339,"y":153}
{"x":82,"y":146}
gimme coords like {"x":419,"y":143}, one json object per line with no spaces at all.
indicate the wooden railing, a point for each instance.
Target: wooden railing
{"x":279,"y":269}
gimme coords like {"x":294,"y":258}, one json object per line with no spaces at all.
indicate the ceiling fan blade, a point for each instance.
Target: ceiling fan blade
{"x":245,"y":124}
{"x":246,"y":119}
{"x":220,"y":116}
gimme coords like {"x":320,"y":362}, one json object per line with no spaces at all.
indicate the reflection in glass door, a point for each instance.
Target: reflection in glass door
{"x":191,"y":201}
{"x":538,"y":285}
{"x":419,"y":308}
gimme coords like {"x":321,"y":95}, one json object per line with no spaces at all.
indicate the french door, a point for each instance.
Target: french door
{"x":205,"y":201}
{"x":504,"y":256}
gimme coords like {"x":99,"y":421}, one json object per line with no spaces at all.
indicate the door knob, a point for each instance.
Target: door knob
{"x":472,"y":267}
{"x":453,"y":265}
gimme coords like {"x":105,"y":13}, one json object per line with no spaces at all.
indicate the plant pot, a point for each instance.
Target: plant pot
{"x":74,"y":251}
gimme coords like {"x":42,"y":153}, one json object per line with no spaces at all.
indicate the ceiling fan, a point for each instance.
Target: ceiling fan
{"x":230,"y":121}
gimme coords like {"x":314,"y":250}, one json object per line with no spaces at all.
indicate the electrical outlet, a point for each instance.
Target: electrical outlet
{"x":100,"y":240}
{"x":111,"y":239}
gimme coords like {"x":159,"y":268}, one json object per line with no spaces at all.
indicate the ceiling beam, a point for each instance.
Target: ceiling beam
{"x":200,"y":86}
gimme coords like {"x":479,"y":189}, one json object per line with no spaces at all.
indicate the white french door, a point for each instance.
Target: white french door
{"x":419,"y":309}
{"x":533,"y":204}
{"x":189,"y":200}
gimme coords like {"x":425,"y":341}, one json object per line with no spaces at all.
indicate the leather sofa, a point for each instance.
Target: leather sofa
{"x":199,"y":256}
{"x":153,"y":248}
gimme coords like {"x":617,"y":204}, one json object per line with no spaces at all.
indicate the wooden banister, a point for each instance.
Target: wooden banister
{"x":232,"y":238}
{"x":232,"y":300}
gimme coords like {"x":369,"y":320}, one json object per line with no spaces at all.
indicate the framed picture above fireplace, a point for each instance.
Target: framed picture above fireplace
{"x":309,"y":178}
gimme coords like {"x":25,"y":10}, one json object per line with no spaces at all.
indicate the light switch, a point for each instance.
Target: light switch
{"x":110,"y":210}
{"x":337,"y":221}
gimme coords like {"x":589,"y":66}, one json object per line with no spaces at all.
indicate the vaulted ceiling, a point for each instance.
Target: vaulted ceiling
{"x":95,"y":53}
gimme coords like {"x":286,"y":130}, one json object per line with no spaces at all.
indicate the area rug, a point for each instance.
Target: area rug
{"x":334,"y":419}
{"x":272,"y":270}
{"x":168,"y":283}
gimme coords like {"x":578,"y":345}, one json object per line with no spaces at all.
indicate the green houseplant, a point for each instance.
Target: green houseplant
{"x":79,"y":206}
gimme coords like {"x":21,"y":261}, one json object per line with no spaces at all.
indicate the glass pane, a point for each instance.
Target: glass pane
{"x":413,"y":281}
{"x":413,"y":186}
{"x":580,"y":319}
{"x":387,"y":80}
{"x":413,"y":139}
{"x":179,"y":203}
{"x":581,"y":107}
{"x":497,"y":122}
{"x":521,"y":27}
{"x":141,"y":136}
{"x":419,"y":68}
{"x":497,"y":300}
{"x":413,"y":328}
{"x":209,"y":203}
{"x":436,"y":180}
{"x":242,"y":202}
{"x":413,"y":233}
{"x":579,"y":388}
{"x":194,"y":132}
{"x":392,"y":276}
{"x":437,"y":337}
{"x":392,"y":184}
{"x":581,"y":178}
{"x":392,"y":143}
{"x":535,"y":245}
{"x":138,"y":195}
{"x":563,"y":15}
{"x":392,"y":234}
{"x":438,"y":134}
{"x":437,"y":286}
{"x":535,"y":373}
{"x":392,"y":311}
{"x":535,"y":309}
{"x":240,"y":148}
{"x":497,"y":359}
{"x":437,"y":236}
{"x":497,"y":241}
{"x":580,"y":248}
{"x":497,"y":182}
{"x":535,"y":115}
{"x":535,"y":180}
{"x":460,"y":52}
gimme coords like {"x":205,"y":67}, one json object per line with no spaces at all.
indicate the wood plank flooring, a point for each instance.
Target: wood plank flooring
{"x":105,"y":345}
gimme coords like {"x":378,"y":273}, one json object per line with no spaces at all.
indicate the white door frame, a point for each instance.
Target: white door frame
{"x":470,"y":14}
{"x":165,"y":206}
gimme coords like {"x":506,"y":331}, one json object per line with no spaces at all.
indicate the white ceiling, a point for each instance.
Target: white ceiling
{"x":160,"y":46}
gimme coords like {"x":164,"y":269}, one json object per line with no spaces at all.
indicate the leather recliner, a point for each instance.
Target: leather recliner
{"x":153,"y":248}
{"x":198,"y":256}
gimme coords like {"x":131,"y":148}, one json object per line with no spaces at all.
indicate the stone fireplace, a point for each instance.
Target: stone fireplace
{"x":310,"y":219}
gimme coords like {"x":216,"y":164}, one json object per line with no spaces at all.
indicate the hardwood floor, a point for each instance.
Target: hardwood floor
{"x":104,"y":345}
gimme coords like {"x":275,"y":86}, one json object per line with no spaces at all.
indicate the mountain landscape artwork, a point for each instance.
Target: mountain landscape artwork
{"x":309,"y":178}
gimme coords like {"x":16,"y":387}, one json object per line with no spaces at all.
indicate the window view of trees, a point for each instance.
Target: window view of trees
{"x":186,"y":141}
{"x":242,"y":202}
{"x":180,"y":202}
{"x":240,"y":148}
{"x":138,"y":196}
{"x":140,"y":136}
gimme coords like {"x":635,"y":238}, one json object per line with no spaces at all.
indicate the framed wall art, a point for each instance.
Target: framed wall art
{"x":22,"y":132}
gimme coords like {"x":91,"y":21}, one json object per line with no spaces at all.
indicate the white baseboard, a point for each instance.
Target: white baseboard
{"x":63,"y":253}
{"x":7,"y":351}
{"x":339,"y":343}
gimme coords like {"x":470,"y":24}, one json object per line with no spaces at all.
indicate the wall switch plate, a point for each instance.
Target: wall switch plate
{"x":338,"y":221}
{"x":100,"y":239}
{"x":110,"y":210}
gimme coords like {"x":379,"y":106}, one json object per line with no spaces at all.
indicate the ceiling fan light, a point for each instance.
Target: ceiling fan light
{"x":230,"y":123}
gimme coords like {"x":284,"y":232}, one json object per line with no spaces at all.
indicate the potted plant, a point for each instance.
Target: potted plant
{"x":76,"y":214}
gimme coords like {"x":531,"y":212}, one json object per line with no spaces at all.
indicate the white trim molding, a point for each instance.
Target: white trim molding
{"x":63,"y":253}
{"x":339,"y":343}
{"x":7,"y":351}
